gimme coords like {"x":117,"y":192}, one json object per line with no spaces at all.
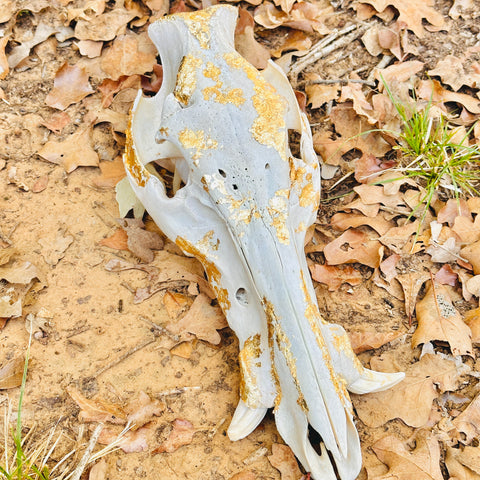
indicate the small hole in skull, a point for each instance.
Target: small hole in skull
{"x":222,"y":173}
{"x":267,"y":166}
{"x":241,"y":296}
{"x":235,"y":187}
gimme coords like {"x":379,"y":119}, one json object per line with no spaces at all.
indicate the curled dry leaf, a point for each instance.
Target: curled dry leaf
{"x":129,"y":55}
{"x":245,"y":42}
{"x":141,"y":242}
{"x":11,"y":373}
{"x":410,"y":400}
{"x":397,"y":238}
{"x":412,"y":283}
{"x":367,"y":167}
{"x":456,"y":464}
{"x":308,"y":17}
{"x":69,"y":86}
{"x":472,"y":254}
{"x":468,"y":422}
{"x":334,"y":277}
{"x":111,"y":173}
{"x":181,"y":434}
{"x":446,"y":276}
{"x":354,"y":246}
{"x":433,"y":91}
{"x":367,"y":337}
{"x":75,"y":151}
{"x":400,"y":72}
{"x":176,"y":304}
{"x":97,"y":410}
{"x":352,"y":133}
{"x":4,"y":68}
{"x":452,"y":209}
{"x":473,"y":285}
{"x":354,"y":92}
{"x":421,"y":463}
{"x":110,"y":87}
{"x":411,"y":13}
{"x":452,"y":71}
{"x":40,"y":184}
{"x":293,"y":40}
{"x":117,"y":241}
{"x":283,"y":459}
{"x":143,"y":409}
{"x":439,"y":320}
{"x":343,"y":221}
{"x":202,"y":320}
{"x":472,"y":319}
{"x":19,"y":272}
{"x":132,"y":441}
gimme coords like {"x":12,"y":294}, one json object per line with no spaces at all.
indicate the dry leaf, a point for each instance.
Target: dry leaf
{"x":421,"y":463}
{"x":57,"y":121}
{"x":119,"y":265}
{"x":69,"y":86}
{"x":439,"y":320}
{"x":446,"y":276}
{"x":468,"y":422}
{"x":352,"y":133}
{"x":469,"y":456}
{"x":372,"y":194}
{"x":410,"y":400}
{"x":19,"y":272}
{"x":398,"y":237}
{"x":176,"y":304}
{"x":40,"y":184}
{"x":433,"y":91}
{"x":97,"y":410}
{"x":104,"y":26}
{"x":98,"y":471}
{"x":367,"y":167}
{"x":456,"y":469}
{"x":452,"y":71}
{"x":117,"y":241}
{"x":75,"y":151}
{"x":129,"y":55}
{"x":111,"y":173}
{"x":411,"y":284}
{"x":468,"y":231}
{"x":11,"y":373}
{"x":283,"y":459}
{"x":411,"y":13}
{"x":308,"y":17}
{"x":143,"y":409}
{"x":181,"y":434}
{"x":89,"y":48}
{"x":354,"y":246}
{"x":400,"y":72}
{"x":183,"y":350}
{"x":202,"y":320}
{"x":473,"y":285}
{"x":367,"y":337}
{"x":293,"y":40}
{"x":4,"y":68}
{"x":334,"y":277}
{"x":354,"y":92}
{"x":245,"y":42}
{"x":53,"y":250}
{"x":141,"y":242}
{"x":110,"y":87}
{"x":472,"y":254}
{"x":318,"y":95}
{"x":452,"y":209}
{"x":133,"y":441}
{"x":342,"y":221}
{"x":472,"y":319}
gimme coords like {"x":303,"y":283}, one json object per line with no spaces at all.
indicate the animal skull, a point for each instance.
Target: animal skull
{"x":243,"y":212}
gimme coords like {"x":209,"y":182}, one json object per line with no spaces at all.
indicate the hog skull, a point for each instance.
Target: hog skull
{"x":243,"y":212}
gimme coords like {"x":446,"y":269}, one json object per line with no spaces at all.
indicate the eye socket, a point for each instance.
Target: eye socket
{"x":241,"y":296}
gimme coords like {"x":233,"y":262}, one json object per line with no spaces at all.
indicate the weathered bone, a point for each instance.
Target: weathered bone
{"x":243,"y":213}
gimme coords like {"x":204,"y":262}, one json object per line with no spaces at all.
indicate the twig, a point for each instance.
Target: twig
{"x":86,"y":456}
{"x":386,"y":59}
{"x":326,"y":46}
{"x":159,"y":328}
{"x":177,"y":391}
{"x":124,"y":356}
{"x":343,"y":81}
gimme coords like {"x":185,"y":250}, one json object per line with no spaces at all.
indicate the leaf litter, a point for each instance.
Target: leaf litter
{"x":371,"y":236}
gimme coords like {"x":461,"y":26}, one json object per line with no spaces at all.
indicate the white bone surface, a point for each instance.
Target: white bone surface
{"x":243,"y":212}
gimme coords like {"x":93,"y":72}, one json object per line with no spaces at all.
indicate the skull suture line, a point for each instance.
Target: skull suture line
{"x":243,"y":213}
